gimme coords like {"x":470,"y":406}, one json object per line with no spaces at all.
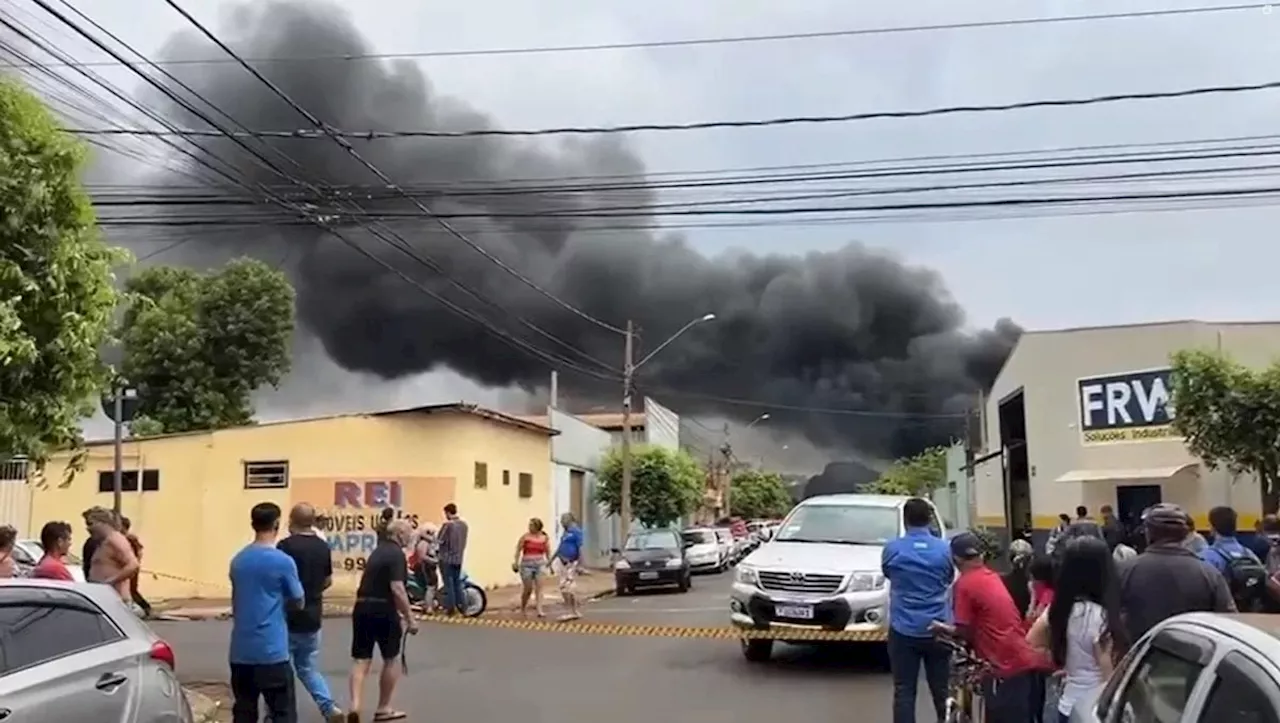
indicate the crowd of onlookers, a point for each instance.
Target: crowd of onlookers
{"x":1053,"y":626}
{"x":111,"y":555}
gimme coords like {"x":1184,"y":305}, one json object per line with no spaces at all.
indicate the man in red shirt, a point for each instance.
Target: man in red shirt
{"x":986,"y":618}
{"x":55,"y":538}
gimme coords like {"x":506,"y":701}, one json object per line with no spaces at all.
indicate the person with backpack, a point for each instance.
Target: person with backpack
{"x":1245,"y":574}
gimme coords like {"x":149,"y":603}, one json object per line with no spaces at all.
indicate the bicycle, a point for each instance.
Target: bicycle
{"x":968,"y":672}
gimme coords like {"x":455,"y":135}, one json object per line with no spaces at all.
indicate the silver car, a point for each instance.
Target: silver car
{"x":1197,"y":668}
{"x":74,"y":652}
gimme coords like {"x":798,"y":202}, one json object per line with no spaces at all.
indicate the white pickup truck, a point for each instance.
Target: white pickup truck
{"x":821,"y":570}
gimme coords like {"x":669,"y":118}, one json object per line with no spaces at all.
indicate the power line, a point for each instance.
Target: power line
{"x":723,"y":40}
{"x":351,"y":151}
{"x":510,"y":339}
{"x":370,"y":135}
{"x":760,"y":404}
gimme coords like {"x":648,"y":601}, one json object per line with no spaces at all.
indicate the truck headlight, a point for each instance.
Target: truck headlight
{"x":674,"y":562}
{"x":622,"y":565}
{"x":866,"y":581}
{"x":745,"y":576}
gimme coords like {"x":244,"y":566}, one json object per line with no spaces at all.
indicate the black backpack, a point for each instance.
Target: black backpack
{"x":1247,"y":579}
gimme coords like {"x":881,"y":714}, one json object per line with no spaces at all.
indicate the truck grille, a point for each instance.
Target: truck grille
{"x":796,"y":582}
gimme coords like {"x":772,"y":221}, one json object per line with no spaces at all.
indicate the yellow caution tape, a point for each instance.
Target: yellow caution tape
{"x":585,"y":627}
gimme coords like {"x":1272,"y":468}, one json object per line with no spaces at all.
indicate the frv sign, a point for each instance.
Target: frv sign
{"x":1128,"y":407}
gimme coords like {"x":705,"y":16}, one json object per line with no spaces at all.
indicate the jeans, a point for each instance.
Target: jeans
{"x":304,"y":650}
{"x":906,"y":655}
{"x":455,"y":598}
{"x":1008,"y":700}
{"x":272,"y":683}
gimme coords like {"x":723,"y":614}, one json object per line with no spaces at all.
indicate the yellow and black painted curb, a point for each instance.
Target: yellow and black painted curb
{"x":585,"y":627}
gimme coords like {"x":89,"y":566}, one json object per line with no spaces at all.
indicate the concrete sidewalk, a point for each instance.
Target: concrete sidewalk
{"x":592,"y":584}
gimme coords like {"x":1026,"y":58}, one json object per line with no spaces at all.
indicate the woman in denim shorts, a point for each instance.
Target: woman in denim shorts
{"x":532,"y":554}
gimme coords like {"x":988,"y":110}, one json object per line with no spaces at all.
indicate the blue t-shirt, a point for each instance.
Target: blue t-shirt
{"x":570,"y":544}
{"x":920,"y":572}
{"x":262,"y":579}
{"x":1223,"y":551}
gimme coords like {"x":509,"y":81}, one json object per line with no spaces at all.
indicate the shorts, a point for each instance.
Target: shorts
{"x":375,"y":626}
{"x":568,"y":577}
{"x":529,"y":571}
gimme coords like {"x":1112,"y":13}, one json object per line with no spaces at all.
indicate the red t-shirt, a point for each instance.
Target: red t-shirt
{"x":51,"y":568}
{"x":984,"y":606}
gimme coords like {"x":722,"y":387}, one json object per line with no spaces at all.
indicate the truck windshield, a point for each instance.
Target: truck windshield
{"x":841,"y":524}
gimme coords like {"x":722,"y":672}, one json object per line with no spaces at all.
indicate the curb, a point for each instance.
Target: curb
{"x":329,"y":612}
{"x":203,"y":708}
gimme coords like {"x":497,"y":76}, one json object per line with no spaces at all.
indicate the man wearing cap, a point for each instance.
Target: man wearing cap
{"x":1168,"y":579}
{"x":987,"y":619}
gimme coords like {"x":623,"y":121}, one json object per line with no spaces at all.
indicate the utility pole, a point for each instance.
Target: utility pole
{"x":117,"y":473}
{"x":628,"y":374}
{"x":727,"y":475}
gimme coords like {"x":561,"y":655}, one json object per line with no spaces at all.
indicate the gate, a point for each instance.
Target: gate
{"x":15,"y":495}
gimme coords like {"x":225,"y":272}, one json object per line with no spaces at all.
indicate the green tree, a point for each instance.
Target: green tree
{"x":666,"y":484}
{"x":197,"y":346}
{"x":1229,"y":416}
{"x":758,"y":494}
{"x":915,"y":476}
{"x":57,"y":292}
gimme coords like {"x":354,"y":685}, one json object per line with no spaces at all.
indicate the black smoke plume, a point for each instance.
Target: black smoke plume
{"x":852,"y":329}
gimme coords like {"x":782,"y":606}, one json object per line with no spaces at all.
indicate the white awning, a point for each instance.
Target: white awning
{"x":1124,"y":475}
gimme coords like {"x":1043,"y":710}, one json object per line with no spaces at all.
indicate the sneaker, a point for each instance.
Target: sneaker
{"x":336,"y":716}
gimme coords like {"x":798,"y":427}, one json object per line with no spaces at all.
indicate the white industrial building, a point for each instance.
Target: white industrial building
{"x":1080,"y":417}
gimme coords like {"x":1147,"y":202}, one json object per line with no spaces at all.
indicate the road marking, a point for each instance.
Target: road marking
{"x":583,"y":627}
{"x":643,"y":611}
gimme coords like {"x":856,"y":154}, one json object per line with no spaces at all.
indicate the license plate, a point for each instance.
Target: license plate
{"x":648,"y":576}
{"x":796,"y":612}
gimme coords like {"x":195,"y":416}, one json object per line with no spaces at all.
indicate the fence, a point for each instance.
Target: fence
{"x":15,"y":495}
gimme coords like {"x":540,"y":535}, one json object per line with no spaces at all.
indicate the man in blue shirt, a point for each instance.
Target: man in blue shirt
{"x":1246,"y":575}
{"x":919,"y":569}
{"x":264,"y":581}
{"x":569,"y":556}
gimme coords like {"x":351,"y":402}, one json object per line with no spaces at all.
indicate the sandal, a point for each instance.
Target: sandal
{"x":385,"y":715}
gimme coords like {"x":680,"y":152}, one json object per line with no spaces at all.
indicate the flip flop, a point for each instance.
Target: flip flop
{"x":385,"y":715}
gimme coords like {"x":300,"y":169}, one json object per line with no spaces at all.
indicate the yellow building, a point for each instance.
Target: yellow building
{"x":191,"y":509}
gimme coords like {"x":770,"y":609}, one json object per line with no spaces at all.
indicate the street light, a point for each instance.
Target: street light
{"x":758,"y":420}
{"x":628,"y":376}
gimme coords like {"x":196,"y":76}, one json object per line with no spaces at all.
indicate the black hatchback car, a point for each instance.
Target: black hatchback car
{"x":652,"y":558}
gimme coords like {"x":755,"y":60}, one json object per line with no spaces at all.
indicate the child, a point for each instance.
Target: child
{"x":1044,"y":706}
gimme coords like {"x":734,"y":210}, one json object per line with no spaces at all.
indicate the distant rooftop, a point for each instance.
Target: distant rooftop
{"x":608,"y":421}
{"x":528,"y":424}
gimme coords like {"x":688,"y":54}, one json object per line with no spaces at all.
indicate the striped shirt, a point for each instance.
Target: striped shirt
{"x":453,"y":541}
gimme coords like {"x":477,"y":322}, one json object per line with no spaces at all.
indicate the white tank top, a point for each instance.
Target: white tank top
{"x":1081,"y":670}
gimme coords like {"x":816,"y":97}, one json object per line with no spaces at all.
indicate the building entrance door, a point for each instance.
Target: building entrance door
{"x":1131,"y":500}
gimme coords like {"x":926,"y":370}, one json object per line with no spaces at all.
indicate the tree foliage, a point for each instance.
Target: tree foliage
{"x":759,"y":494}
{"x":666,"y":484}
{"x":1229,"y":416}
{"x":197,"y":346}
{"x":914,"y":476}
{"x":57,"y":292}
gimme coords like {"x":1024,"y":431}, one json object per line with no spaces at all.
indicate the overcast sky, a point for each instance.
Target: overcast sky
{"x":1044,"y":272}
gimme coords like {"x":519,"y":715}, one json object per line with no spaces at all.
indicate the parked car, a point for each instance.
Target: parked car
{"x":74,"y":652}
{"x":1197,"y":667}
{"x":725,"y":539}
{"x":652,"y":558}
{"x":26,"y":553}
{"x":821,"y":570}
{"x":702,"y":549}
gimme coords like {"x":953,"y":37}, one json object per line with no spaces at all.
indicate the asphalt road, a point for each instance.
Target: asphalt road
{"x":476,"y":673}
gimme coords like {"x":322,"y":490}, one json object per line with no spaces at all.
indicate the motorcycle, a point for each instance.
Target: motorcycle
{"x":477,"y":601}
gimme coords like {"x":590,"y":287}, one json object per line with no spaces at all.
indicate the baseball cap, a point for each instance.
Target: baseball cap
{"x":966,"y":546}
{"x":1166,"y":514}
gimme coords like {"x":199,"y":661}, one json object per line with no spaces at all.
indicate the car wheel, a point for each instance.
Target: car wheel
{"x":757,"y":651}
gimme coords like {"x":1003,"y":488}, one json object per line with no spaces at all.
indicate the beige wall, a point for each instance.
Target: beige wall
{"x":199,"y":517}
{"x":1047,"y":366}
